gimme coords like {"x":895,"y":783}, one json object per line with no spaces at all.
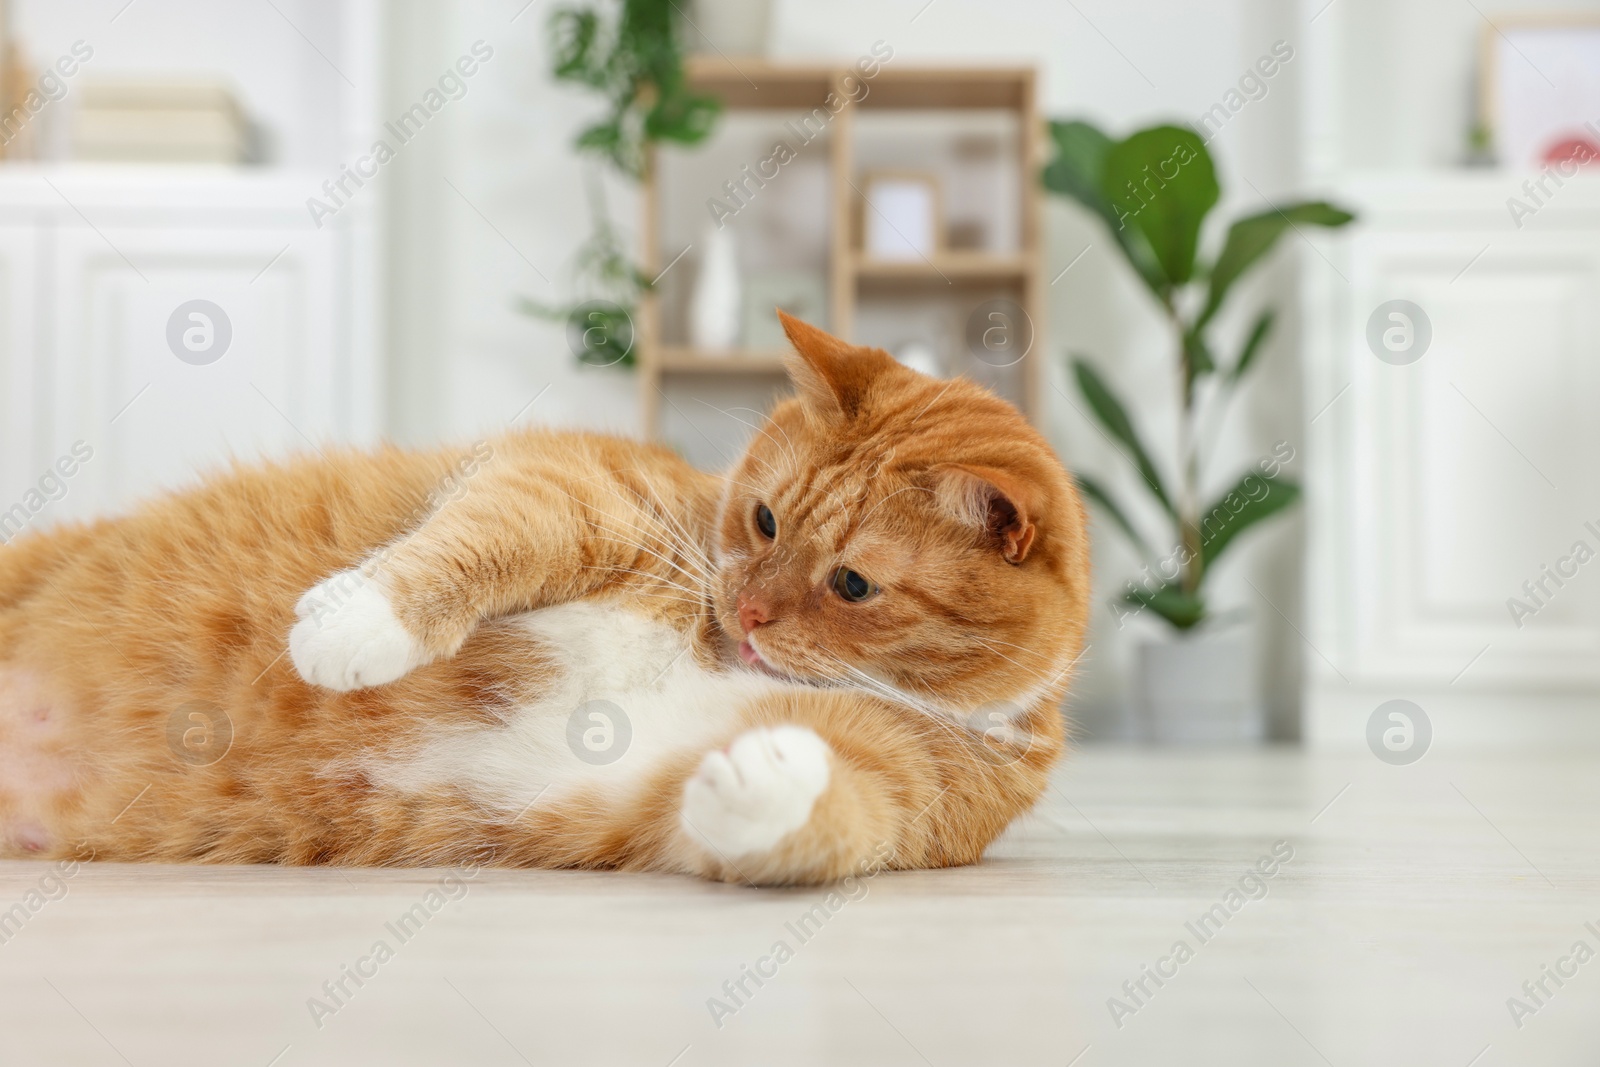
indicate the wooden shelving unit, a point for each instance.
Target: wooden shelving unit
{"x":966,"y":266}
{"x":677,"y":359}
{"x":758,"y":85}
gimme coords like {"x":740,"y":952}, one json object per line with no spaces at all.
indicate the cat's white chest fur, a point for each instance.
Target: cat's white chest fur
{"x":628,"y":694}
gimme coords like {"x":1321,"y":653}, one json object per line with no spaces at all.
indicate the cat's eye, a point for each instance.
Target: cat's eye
{"x":766,"y":522}
{"x":852,"y":586}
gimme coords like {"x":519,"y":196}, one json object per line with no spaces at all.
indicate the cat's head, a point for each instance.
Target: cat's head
{"x":901,"y":533}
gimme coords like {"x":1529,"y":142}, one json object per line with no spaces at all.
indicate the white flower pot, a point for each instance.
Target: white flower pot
{"x":1200,"y":688}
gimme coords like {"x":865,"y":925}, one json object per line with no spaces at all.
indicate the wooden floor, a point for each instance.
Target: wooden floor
{"x":1416,"y":902}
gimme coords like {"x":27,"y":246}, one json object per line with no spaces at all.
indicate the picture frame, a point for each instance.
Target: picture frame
{"x":901,"y":215}
{"x":1540,"y":89}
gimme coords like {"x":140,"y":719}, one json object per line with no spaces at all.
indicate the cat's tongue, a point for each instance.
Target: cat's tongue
{"x":748,"y":653}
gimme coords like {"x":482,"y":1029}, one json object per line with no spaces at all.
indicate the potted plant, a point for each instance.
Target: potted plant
{"x":631,"y":55}
{"x":1153,"y":191}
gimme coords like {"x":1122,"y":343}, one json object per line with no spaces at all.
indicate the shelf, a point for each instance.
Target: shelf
{"x":950,"y":88}
{"x":945,"y":267}
{"x":912,"y":106}
{"x":761,"y":84}
{"x":683,"y":360}
{"x":757,"y":84}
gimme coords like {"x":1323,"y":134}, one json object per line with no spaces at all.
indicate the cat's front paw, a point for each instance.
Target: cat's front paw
{"x":348,"y":636}
{"x":749,"y":796}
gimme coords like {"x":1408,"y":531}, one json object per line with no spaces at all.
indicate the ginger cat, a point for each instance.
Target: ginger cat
{"x":565,"y":650}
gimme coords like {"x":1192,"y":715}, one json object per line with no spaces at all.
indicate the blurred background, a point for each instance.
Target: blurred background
{"x":244,"y":229}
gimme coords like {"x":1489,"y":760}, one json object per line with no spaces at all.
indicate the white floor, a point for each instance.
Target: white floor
{"x":1418,"y":900}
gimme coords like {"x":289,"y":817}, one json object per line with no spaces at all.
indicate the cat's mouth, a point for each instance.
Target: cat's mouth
{"x":753,"y":657}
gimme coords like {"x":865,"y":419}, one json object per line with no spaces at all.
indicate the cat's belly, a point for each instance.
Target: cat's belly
{"x":36,"y":766}
{"x":627,"y":694}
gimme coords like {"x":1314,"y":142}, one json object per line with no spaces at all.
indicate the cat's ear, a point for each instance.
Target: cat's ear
{"x":833,"y":375}
{"x":999,"y":503}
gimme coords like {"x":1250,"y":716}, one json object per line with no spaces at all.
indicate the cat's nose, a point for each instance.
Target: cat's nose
{"x":752,"y":612}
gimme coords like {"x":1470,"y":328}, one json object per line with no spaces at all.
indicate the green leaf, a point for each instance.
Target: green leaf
{"x":1161,"y":183}
{"x":1079,"y":161}
{"x":1077,"y":172}
{"x":1114,"y":417}
{"x":682,"y":117}
{"x":1253,"y":498}
{"x":574,"y":40}
{"x":1251,"y":238}
{"x":1252,"y":344}
{"x":602,"y":137}
{"x":1182,"y":610}
{"x":1097,"y":493}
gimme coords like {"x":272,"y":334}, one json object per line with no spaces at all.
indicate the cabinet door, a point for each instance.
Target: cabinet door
{"x":18,"y":361}
{"x":1472,"y":468}
{"x":177,"y":350}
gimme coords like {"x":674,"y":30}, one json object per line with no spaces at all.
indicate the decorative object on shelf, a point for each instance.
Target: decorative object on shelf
{"x":966,"y":235}
{"x":801,"y":293}
{"x":1153,"y":191}
{"x":732,"y":27}
{"x":921,"y":356}
{"x":158,"y":122}
{"x":19,"y":138}
{"x":1480,"y":147}
{"x":714,"y":308}
{"x":900,"y":215}
{"x":631,"y":55}
{"x":1533,"y":123}
{"x":974,"y":185}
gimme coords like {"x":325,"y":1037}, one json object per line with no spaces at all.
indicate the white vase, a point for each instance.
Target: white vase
{"x":714,"y":309}
{"x":1200,"y":688}
{"x":730,"y":27}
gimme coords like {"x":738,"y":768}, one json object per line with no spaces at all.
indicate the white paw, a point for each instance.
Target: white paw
{"x":348,"y":636}
{"x":748,"y":798}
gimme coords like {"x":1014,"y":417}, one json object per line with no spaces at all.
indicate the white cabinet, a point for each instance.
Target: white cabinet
{"x":113,"y":267}
{"x":1441,"y":489}
{"x":19,"y":264}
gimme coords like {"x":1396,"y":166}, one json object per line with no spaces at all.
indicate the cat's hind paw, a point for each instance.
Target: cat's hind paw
{"x":348,"y":636}
{"x":748,"y":797}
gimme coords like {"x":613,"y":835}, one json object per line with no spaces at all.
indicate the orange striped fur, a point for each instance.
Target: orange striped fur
{"x":150,"y":709}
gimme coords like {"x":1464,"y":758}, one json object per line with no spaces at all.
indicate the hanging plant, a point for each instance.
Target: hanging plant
{"x":630,"y":54}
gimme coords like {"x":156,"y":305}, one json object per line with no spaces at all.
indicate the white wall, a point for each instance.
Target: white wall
{"x":465,"y":362}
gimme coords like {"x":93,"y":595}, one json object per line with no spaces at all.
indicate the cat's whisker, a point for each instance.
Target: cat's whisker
{"x":698,"y":594}
{"x":950,"y":721}
{"x":1037,"y":672}
{"x":885,"y":688}
{"x":788,"y":450}
{"x":650,"y":551}
{"x":685,"y":537}
{"x":793,"y":450}
{"x":692,"y":551}
{"x":1011,"y":644}
{"x":958,"y":730}
{"x":689,"y":549}
{"x":672,"y":530}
